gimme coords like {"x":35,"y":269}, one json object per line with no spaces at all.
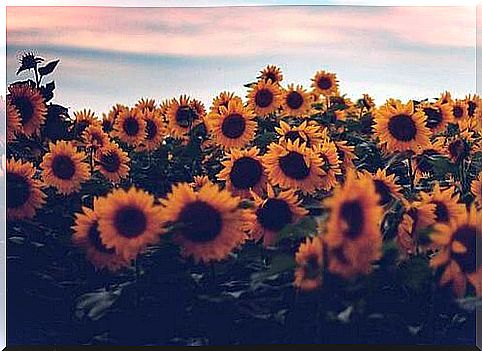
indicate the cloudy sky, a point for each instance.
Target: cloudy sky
{"x":111,"y":55}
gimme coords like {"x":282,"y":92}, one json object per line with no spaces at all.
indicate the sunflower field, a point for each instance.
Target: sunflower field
{"x":290,"y":215}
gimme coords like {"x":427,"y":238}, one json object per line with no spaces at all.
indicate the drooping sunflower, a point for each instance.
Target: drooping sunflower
{"x":182,"y":115}
{"x":459,"y":111}
{"x":385,"y":185}
{"x":154,"y":131}
{"x":233,"y":127}
{"x":95,"y":137}
{"x":296,"y":102}
{"x":325,"y":83}
{"x":112,"y":162}
{"x":271,"y":73}
{"x":13,"y":123}
{"x":64,"y":167}
{"x":273,"y":212}
{"x":346,"y":154}
{"x":328,"y":152}
{"x":438,"y":115}
{"x":476,"y":189}
{"x":446,"y":201}
{"x":243,"y":172}
{"x":459,"y":242}
{"x":129,"y":221}
{"x":223,"y":99}
{"x":309,"y":261}
{"x":399,"y":128}
{"x":208,"y":223}
{"x":130,"y":127}
{"x":109,"y":119}
{"x":24,"y":193}
{"x":353,"y":235}
{"x":310,"y":134}
{"x":83,"y":119}
{"x":146,"y":104}
{"x":30,"y":106}
{"x":87,"y":236}
{"x":264,"y":98}
{"x":294,"y":166}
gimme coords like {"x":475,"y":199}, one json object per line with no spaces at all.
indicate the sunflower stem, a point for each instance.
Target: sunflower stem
{"x":411,"y":174}
{"x":37,"y":81}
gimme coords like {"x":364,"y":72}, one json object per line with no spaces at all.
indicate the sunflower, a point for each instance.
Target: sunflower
{"x":422,"y":166}
{"x":367,"y":102}
{"x":458,"y":147}
{"x":294,"y":166}
{"x":13,"y":123}
{"x":476,"y":189}
{"x":459,"y":242}
{"x":64,"y":167}
{"x":446,"y":201}
{"x":273,"y":213}
{"x":438,"y":115}
{"x":87,"y":236}
{"x":109,"y":119}
{"x":353,"y":235}
{"x":296,"y":102}
{"x":24,"y":194}
{"x":112,"y":162}
{"x":95,"y":137}
{"x":233,"y":127}
{"x":130,"y":127}
{"x":154,"y":131}
{"x":199,"y":181}
{"x":271,"y":73}
{"x":331,"y":164}
{"x":128,"y":221}
{"x":264,"y":98}
{"x":223,"y":99}
{"x":385,"y":185}
{"x":145,"y":105}
{"x":83,"y":119}
{"x":182,"y":115}
{"x":243,"y":171}
{"x":346,"y":154}
{"x":459,"y":111}
{"x":445,"y":98}
{"x":310,"y":134}
{"x":309,"y":261}
{"x":30,"y":106}
{"x":473,"y":103}
{"x":325,"y":83}
{"x":208,"y":223}
{"x":399,"y":128}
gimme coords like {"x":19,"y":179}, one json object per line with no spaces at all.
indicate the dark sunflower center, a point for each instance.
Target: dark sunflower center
{"x":351,"y":213}
{"x":185,"y":115}
{"x":467,"y":236}
{"x":402,"y":128}
{"x":246,"y":173}
{"x":293,"y":165}
{"x":441,"y":212}
{"x":312,"y":268}
{"x":294,"y":135}
{"x":110,"y":161}
{"x":324,"y":83}
{"x":107,"y":125}
{"x":383,"y":190}
{"x":201,"y":222}
{"x":271,"y":76}
{"x":97,"y":138}
{"x":95,"y":240}
{"x":151,"y":129}
{"x":434,"y":117}
{"x":63,"y":167}
{"x":471,"y":108}
{"x":130,"y":221}
{"x":18,"y":190}
{"x":233,"y":126}
{"x":458,"y":149}
{"x":24,"y":107}
{"x":294,"y":100}
{"x":264,"y":98}
{"x":131,"y":126}
{"x":458,"y":111}
{"x":274,"y":215}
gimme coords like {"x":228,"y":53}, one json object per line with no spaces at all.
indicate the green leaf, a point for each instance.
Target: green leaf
{"x":281,"y":263}
{"x":305,"y":227}
{"x":48,"y":68}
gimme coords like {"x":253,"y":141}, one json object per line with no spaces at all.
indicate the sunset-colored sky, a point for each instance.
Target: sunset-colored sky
{"x":111,"y":55}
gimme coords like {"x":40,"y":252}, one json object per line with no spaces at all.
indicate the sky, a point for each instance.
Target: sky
{"x":114,"y":54}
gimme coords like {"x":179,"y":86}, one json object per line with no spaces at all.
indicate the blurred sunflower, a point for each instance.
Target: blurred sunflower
{"x":459,"y":242}
{"x":30,"y":107}
{"x":83,"y":119}
{"x":309,"y":262}
{"x":130,"y":127}
{"x":331,"y":164}
{"x":264,"y":98}
{"x":476,"y":189}
{"x":109,"y":119}
{"x":13,"y":123}
{"x":24,"y":193}
{"x":294,"y":166}
{"x":199,"y":181}
{"x":87,"y":236}
{"x":223,"y":99}
{"x":446,"y":201}
{"x":459,"y":111}
{"x":128,"y":221}
{"x":112,"y":162}
{"x":271,"y":73}
{"x":208,"y":224}
{"x":243,"y":172}
{"x":154,"y":131}
{"x":145,"y":105}
{"x":399,"y":128}
{"x":64,"y":167}
{"x":233,"y":127}
{"x":95,"y":137}
{"x":325,"y":83}
{"x":438,"y":116}
{"x":182,"y":116}
{"x":273,"y":213}
{"x":346,"y":154}
{"x":385,"y":185}
{"x":310,"y":134}
{"x":353,"y":235}
{"x":296,"y":102}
